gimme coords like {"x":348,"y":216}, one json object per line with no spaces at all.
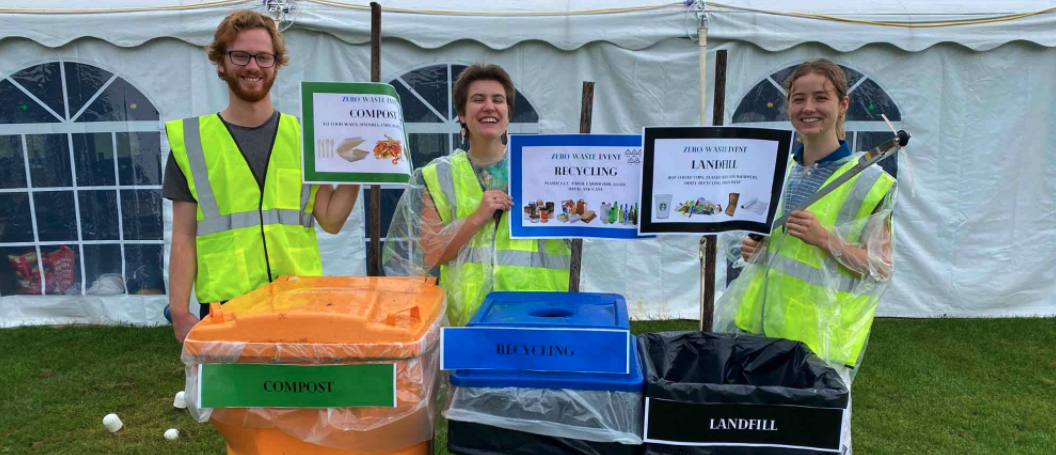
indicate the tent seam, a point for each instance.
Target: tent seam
{"x":903,"y":24}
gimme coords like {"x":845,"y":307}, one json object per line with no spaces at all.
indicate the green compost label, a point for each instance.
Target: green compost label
{"x":252,"y":385}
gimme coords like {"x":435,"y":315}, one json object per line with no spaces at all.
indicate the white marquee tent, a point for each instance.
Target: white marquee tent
{"x":85,"y":92}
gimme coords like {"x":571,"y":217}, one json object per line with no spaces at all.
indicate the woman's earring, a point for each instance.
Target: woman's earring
{"x":505,"y":138}
{"x":462,"y":132}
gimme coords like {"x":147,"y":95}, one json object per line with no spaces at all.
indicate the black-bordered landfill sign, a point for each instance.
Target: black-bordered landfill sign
{"x":706,"y":180}
{"x":353,"y":133}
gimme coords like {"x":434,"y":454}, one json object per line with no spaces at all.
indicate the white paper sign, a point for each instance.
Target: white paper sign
{"x":712,"y":179}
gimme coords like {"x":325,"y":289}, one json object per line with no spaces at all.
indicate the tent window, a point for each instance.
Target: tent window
{"x":432,"y":125}
{"x":80,"y":212}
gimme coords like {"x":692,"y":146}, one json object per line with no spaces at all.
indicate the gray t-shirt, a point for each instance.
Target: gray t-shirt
{"x":254,"y":143}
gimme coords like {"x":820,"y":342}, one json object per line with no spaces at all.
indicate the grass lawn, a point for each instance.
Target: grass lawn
{"x":938,"y":386}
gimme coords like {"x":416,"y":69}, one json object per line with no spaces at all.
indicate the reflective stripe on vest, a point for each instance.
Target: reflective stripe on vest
{"x":192,"y":140}
{"x":214,"y":222}
{"x":848,"y":212}
{"x":249,"y":219}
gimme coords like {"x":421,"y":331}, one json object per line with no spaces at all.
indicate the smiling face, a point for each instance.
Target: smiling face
{"x":250,"y":83}
{"x":486,"y":113}
{"x":814,"y":107}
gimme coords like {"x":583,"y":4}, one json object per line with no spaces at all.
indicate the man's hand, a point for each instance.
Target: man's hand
{"x":182,"y":324}
{"x":803,"y":225}
{"x":183,"y":266}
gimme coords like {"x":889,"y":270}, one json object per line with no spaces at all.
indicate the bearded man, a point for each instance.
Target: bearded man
{"x":241,"y":213}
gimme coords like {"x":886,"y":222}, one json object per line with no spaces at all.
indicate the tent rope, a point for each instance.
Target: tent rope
{"x":432,"y":12}
{"x":216,"y":3}
{"x":903,"y":24}
{"x":129,"y":9}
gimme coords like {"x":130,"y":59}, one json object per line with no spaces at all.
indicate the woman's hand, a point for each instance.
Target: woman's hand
{"x":803,"y":225}
{"x":748,"y":248}
{"x":492,"y":201}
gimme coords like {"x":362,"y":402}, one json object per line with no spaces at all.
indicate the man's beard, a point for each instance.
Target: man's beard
{"x":231,"y":77}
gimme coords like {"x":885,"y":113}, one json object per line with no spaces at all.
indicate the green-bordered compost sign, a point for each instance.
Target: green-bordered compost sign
{"x":253,"y":385}
{"x":353,"y":133}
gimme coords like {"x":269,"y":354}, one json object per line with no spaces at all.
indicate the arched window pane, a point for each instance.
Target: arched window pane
{"x":45,"y":83}
{"x":431,"y":84}
{"x":83,"y":82}
{"x":17,"y":107}
{"x":869,"y":101}
{"x":120,"y":102}
{"x":523,"y":111}
{"x":414,"y":110}
{"x":764,"y":103}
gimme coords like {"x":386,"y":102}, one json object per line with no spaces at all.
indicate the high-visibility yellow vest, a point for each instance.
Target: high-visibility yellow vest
{"x":516,"y":265}
{"x":245,"y":239}
{"x":795,"y":298}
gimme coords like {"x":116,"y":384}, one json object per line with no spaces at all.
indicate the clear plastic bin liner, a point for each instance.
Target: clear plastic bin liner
{"x":330,"y":321}
{"x":591,"y":415}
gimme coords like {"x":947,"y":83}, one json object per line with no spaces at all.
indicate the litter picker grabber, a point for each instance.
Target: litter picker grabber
{"x":872,"y":156}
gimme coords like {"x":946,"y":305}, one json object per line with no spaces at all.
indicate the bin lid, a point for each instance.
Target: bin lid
{"x":318,"y":319}
{"x":552,"y":309}
{"x":631,"y":382}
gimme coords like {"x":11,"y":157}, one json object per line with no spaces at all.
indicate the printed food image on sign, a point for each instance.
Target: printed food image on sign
{"x":579,"y":212}
{"x":389,"y":148}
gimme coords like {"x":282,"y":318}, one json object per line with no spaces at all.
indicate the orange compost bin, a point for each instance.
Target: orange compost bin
{"x":327,"y":321}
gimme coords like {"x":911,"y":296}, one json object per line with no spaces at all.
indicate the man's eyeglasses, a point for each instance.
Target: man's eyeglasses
{"x":241,"y":58}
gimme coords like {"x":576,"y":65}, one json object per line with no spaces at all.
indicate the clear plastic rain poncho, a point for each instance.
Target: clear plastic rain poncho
{"x":426,"y":229}
{"x":825,"y":298}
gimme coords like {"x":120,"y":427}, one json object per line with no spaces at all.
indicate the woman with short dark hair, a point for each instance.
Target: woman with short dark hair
{"x":455,"y":212}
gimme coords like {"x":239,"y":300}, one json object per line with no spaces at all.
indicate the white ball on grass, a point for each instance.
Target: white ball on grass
{"x":171,"y":434}
{"x":112,"y":422}
{"x":179,"y":401}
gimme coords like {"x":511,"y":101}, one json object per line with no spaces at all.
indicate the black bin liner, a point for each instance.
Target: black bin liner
{"x":465,"y":438}
{"x":712,"y":393}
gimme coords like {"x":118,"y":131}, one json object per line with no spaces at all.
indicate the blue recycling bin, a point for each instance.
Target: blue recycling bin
{"x":503,"y":411}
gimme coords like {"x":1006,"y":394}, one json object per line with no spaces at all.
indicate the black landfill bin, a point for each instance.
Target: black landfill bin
{"x":712,"y":393}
